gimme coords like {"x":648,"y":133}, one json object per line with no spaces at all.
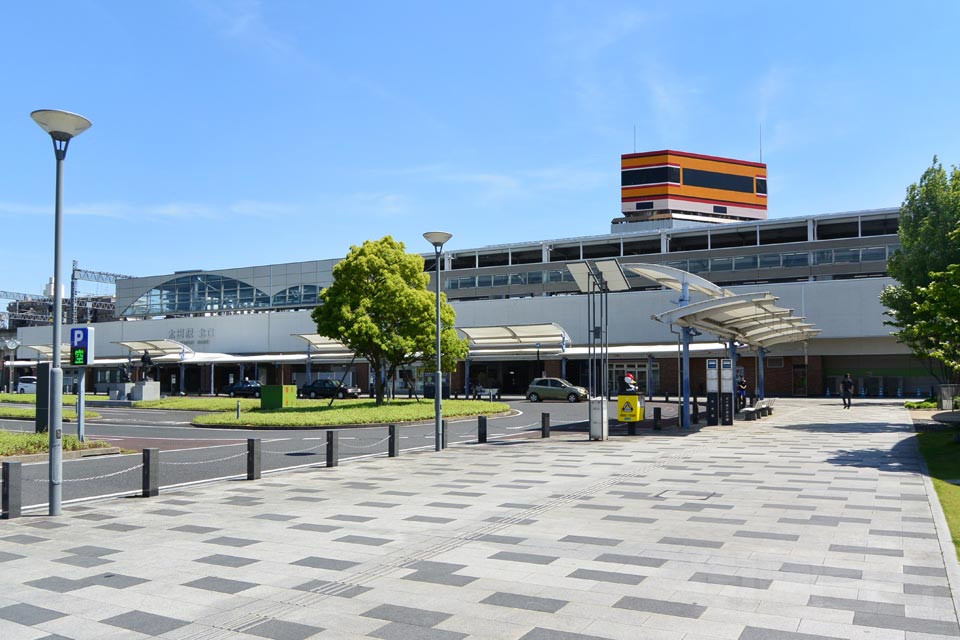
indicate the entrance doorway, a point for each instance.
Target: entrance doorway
{"x":800,"y":380}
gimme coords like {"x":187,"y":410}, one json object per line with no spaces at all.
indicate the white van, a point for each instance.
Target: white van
{"x":27,"y":384}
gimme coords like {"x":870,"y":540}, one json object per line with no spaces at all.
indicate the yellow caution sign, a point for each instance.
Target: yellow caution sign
{"x":629,"y":408}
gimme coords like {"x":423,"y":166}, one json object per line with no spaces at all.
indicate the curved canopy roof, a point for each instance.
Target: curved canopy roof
{"x":674,"y":278}
{"x":751,"y":318}
{"x":548,"y":335}
{"x":156,"y":348}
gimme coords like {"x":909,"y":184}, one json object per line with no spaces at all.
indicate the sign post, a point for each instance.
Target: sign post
{"x":713,"y":392}
{"x":726,"y":392}
{"x":81,"y":355}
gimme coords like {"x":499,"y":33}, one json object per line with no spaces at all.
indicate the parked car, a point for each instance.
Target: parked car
{"x":555,"y":389}
{"x":323,"y":388}
{"x":27,"y":384}
{"x":245,"y":389}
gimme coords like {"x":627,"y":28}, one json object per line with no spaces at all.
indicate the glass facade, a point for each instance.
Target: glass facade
{"x":198,"y":293}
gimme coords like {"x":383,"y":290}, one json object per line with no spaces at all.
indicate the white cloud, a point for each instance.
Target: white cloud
{"x":243,"y":21}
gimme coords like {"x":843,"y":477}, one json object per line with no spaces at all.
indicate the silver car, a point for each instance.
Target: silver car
{"x":554,"y":389}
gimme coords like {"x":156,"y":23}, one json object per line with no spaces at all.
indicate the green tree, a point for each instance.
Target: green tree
{"x":928,"y":216}
{"x":379,"y":306}
{"x":937,"y":314}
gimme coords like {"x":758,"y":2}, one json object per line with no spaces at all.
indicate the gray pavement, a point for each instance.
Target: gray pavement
{"x":812,"y":523}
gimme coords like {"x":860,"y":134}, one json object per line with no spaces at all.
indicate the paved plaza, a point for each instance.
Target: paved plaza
{"x":812,"y":523}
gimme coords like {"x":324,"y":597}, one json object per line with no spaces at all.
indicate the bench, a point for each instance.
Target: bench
{"x":481,"y":393}
{"x":760,"y":409}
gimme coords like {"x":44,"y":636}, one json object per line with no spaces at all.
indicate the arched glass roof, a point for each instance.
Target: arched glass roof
{"x":198,"y":292}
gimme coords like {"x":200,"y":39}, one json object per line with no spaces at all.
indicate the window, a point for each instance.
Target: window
{"x":719,"y":209}
{"x":717,"y":180}
{"x":761,"y":186}
{"x":800,"y":259}
{"x":769,"y":260}
{"x":873,"y":253}
{"x":649,"y":175}
{"x":846,"y":255}
{"x":774,"y":362}
{"x":643,"y":206}
{"x":823,"y":256}
{"x":745,"y":262}
{"x":721,"y":264}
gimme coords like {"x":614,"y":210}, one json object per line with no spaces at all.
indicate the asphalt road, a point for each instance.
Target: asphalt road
{"x":192,"y":454}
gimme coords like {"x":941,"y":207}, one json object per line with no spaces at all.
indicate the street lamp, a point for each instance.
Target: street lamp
{"x":437,"y":239}
{"x":539,"y":369}
{"x":62,"y":126}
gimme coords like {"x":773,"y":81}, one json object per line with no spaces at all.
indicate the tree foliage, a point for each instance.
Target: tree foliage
{"x":929,"y":248}
{"x":379,"y":307}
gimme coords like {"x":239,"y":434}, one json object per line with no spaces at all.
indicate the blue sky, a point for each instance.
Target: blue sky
{"x":235,"y":133}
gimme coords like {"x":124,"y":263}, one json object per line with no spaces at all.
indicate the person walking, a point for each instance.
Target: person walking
{"x":741,"y":393}
{"x":846,"y":391}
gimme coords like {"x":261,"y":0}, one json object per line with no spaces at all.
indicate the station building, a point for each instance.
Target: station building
{"x":701,"y":214}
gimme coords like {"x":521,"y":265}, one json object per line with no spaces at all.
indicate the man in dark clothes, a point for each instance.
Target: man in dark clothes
{"x":846,"y":391}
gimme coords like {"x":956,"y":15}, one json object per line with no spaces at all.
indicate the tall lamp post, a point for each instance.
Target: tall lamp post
{"x":62,"y":126}
{"x":437,"y":239}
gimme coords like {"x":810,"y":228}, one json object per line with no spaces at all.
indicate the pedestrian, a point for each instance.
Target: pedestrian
{"x":742,"y":393}
{"x":846,"y":391}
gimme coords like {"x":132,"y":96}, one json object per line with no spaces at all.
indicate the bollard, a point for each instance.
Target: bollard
{"x":482,"y":429}
{"x":656,"y":418}
{"x":544,"y":425}
{"x":666,"y":397}
{"x":238,"y":409}
{"x":443,"y":434}
{"x":393,"y":445}
{"x":12,"y":490}
{"x":332,"y":448}
{"x":631,"y":428}
{"x":696,"y":412}
{"x":253,"y":458}
{"x":151,"y":473}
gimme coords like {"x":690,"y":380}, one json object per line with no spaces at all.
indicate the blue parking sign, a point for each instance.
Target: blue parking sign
{"x":81,"y":346}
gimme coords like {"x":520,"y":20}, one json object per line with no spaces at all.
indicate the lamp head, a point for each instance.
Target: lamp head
{"x":61,"y":125}
{"x":437,"y":238}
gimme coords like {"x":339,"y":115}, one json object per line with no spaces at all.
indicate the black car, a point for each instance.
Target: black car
{"x":322,"y":388}
{"x":245,"y":389}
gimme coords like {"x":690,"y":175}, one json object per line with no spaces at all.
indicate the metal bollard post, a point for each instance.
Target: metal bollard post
{"x":631,"y":428}
{"x":151,"y":473}
{"x":443,"y":434}
{"x":696,"y":412}
{"x":393,"y":446}
{"x":333,"y":447}
{"x":482,"y":429}
{"x":12,"y":490}
{"x":656,"y":418}
{"x":253,"y":458}
{"x":238,"y":409}
{"x":544,"y":425}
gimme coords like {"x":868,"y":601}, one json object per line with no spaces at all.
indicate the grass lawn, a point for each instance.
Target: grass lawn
{"x":316,"y":413}
{"x":15,"y":444}
{"x":943,"y":459}
{"x":31,"y":398}
{"x":31,"y":412}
